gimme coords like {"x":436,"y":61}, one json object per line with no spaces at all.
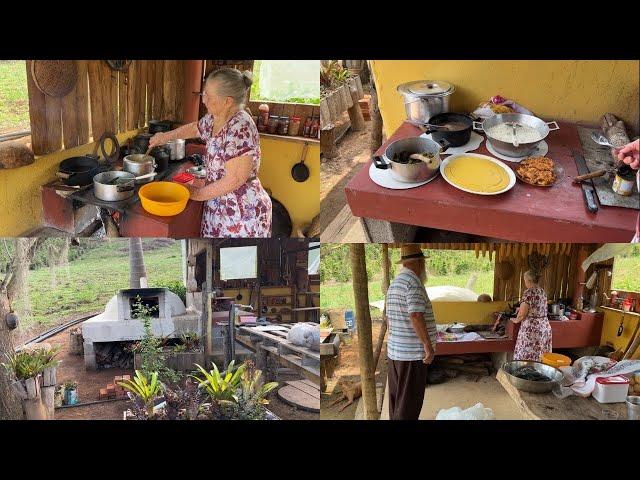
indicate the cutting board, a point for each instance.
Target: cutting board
{"x":598,"y":157}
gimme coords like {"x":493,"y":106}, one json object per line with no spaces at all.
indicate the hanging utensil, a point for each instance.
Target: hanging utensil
{"x":621,"y":326}
{"x":300,"y":172}
{"x":119,"y":65}
{"x":55,"y":78}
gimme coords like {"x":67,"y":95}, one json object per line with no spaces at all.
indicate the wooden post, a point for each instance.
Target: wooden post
{"x":580,"y":275}
{"x":355,"y":112}
{"x":206,"y":311}
{"x":376,"y":119}
{"x":328,"y":142}
{"x":386,"y":274}
{"x":363,"y":326}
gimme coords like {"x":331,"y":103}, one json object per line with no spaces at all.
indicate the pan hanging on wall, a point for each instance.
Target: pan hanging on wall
{"x":119,"y":65}
{"x":55,"y":78}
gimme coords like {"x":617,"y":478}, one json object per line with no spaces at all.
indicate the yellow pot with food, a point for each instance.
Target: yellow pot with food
{"x":479,"y":174}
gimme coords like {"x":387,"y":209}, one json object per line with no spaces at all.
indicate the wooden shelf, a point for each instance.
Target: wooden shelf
{"x":287,"y":138}
{"x":611,"y":309}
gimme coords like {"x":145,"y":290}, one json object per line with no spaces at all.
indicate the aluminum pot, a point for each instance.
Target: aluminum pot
{"x":411,"y":172}
{"x":176,"y":148}
{"x":554,"y":374}
{"x":114,"y":186}
{"x":139,"y":164}
{"x":507,"y":148}
{"x":424,"y":99}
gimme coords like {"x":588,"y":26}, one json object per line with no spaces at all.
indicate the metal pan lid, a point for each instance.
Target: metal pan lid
{"x":427,"y":88}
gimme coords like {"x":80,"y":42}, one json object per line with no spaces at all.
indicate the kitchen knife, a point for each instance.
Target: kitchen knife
{"x":587,"y":186}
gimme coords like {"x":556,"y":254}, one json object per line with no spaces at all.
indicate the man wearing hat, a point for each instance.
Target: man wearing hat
{"x":412,"y":335}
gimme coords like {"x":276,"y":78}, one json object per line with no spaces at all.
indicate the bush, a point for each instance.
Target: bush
{"x":178,"y":288}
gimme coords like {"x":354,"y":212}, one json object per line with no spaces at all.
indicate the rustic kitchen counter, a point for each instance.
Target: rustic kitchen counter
{"x":523,"y":214}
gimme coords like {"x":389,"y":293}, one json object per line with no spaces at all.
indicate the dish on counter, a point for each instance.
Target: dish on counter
{"x":479,"y":174}
{"x":538,"y":171}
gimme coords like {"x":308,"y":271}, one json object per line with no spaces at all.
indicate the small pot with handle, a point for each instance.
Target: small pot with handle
{"x":141,"y":142}
{"x":139,"y":164}
{"x":420,"y":171}
{"x":114,"y":186}
{"x":79,"y":171}
{"x":158,"y":126}
{"x":456,"y":128}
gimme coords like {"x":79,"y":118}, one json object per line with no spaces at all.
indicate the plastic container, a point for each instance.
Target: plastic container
{"x":183,"y":177}
{"x":555,"y":360}
{"x":611,"y":389}
{"x":350,"y":320}
{"x":164,"y":199}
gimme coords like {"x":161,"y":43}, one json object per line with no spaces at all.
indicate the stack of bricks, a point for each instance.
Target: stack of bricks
{"x":114,"y":390}
{"x":364,"y":106}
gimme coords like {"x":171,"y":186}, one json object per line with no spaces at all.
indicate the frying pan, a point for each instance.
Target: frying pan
{"x":79,"y":171}
{"x":300,"y":172}
{"x":281,"y":225}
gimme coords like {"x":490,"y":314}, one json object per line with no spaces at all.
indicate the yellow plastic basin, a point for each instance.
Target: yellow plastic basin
{"x":555,"y":360}
{"x":164,"y":199}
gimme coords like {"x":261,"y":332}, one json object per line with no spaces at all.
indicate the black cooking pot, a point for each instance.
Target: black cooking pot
{"x":141,"y":142}
{"x":459,"y":131}
{"x":156,"y":126}
{"x":162,"y":154}
{"x":79,"y":171}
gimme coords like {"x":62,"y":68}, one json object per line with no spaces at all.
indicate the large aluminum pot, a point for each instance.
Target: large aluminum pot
{"x":507,"y":148}
{"x":139,"y":164}
{"x":411,"y":172}
{"x":531,"y":386}
{"x":177,"y":149}
{"x":114,"y":186}
{"x":424,"y":99}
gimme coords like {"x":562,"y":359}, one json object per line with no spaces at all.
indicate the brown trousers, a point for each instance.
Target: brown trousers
{"x":407,"y":381}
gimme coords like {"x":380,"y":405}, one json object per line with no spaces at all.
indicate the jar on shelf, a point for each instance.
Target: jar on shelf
{"x":315,"y":127}
{"x":273,"y":124}
{"x":306,"y":130}
{"x":294,"y":126}
{"x":263,"y":117}
{"x":283,"y":125}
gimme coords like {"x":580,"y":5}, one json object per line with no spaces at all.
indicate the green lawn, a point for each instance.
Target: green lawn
{"x":14,"y":101}
{"x":340,"y":295}
{"x":625,"y":273}
{"x":90,"y":281}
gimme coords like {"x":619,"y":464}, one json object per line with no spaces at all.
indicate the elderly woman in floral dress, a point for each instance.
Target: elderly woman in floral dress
{"x":534,"y":337}
{"x":236,"y":203}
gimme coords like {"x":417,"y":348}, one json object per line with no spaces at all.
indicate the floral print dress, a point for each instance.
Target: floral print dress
{"x":534,"y":337}
{"x":245,"y":212}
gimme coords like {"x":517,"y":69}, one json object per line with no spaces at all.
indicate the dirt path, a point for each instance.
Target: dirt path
{"x":354,"y":150}
{"x":348,"y":369}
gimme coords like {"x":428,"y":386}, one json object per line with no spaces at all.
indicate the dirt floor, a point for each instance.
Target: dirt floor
{"x":348,"y":370}
{"x":354,"y":148}
{"x":90,"y":382}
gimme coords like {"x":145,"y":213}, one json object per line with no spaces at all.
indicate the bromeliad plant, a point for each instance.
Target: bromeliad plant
{"x":250,"y":398}
{"x":29,"y":364}
{"x":146,"y":391}
{"x":221,"y":387}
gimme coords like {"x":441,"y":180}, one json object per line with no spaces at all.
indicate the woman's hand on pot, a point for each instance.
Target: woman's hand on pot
{"x":158,"y":139}
{"x":630,"y":154}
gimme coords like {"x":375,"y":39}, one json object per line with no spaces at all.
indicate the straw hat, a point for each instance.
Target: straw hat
{"x":409,"y":251}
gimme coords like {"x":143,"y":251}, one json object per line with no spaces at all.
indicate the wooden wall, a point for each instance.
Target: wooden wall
{"x":105,"y":100}
{"x":289,"y":109}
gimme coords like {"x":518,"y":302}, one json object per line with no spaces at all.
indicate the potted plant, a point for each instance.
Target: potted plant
{"x":27,"y":367}
{"x":70,"y":392}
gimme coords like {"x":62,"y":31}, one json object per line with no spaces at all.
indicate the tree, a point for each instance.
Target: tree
{"x":136,"y":262}
{"x":14,"y":280}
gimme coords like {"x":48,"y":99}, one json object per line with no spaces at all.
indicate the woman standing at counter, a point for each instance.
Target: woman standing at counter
{"x":236,"y":203}
{"x":534,"y":337}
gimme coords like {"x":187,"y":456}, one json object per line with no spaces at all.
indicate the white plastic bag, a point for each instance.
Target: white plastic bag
{"x":477,"y":412}
{"x":305,"y":335}
{"x":488,"y":109}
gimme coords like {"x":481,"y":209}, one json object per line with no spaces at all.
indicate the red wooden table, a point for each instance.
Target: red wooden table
{"x":524,"y":214}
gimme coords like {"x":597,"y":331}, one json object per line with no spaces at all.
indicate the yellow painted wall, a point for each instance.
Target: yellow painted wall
{"x":20,"y":196}
{"x":476,"y":313}
{"x":21,"y":205}
{"x":302,"y":200}
{"x":571,"y":90}
{"x":610,"y":330}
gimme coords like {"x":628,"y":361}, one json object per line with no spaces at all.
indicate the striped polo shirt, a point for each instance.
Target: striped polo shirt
{"x":407,"y":295}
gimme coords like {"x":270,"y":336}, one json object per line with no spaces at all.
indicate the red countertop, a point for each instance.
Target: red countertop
{"x":524,"y":214}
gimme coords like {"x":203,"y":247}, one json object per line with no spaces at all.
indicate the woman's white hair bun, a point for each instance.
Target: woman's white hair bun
{"x":247,"y":78}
